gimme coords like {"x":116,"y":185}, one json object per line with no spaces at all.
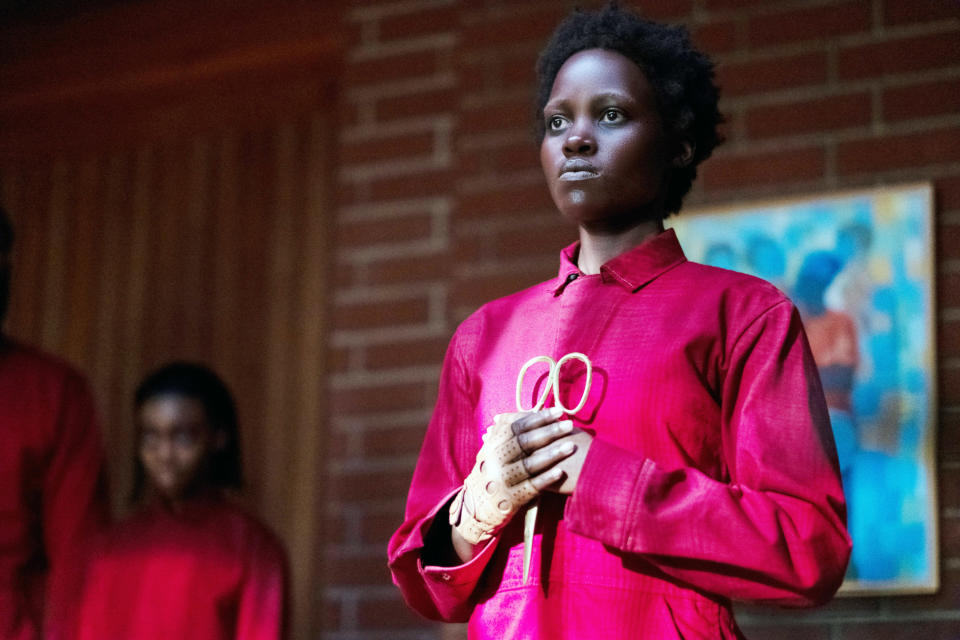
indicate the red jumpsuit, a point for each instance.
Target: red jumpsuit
{"x":52,"y":490}
{"x":210,"y":571}
{"x":713,"y":474}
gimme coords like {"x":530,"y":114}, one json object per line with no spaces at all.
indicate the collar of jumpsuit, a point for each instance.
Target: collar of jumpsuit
{"x":631,"y":269}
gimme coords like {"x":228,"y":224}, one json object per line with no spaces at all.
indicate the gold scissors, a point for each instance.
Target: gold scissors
{"x":553,"y":383}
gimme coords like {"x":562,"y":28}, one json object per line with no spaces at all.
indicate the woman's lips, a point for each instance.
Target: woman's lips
{"x":572,"y":176}
{"x":578,"y":169}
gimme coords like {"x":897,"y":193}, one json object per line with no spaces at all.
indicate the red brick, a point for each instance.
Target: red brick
{"x":671,"y":10}
{"x":523,"y":25}
{"x":338,"y":360}
{"x":505,"y":158}
{"x":505,"y":201}
{"x":517,"y":71}
{"x":922,"y":100}
{"x":948,"y":332}
{"x":774,"y":630}
{"x":898,"y":12}
{"x":902,"y":55}
{"x":366,"y":315}
{"x":411,"y":145}
{"x":389,"y":614}
{"x":947,"y":193}
{"x":392,"y":68}
{"x":475,"y":290}
{"x":910,"y":151}
{"x":811,"y":23}
{"x":950,"y":386}
{"x":716,"y":37}
{"x":376,"y":528}
{"x":382,"y":398}
{"x":826,"y":114}
{"x":745,"y":170}
{"x":404,"y":441}
{"x":423,"y":22}
{"x":948,"y":440}
{"x":338,"y":444}
{"x":332,"y":615}
{"x":771,"y":74}
{"x":948,"y":481}
{"x":948,"y":595}
{"x":717,"y":5}
{"x":408,"y":270}
{"x":427,"y":183}
{"x":948,"y":242}
{"x":346,"y":275}
{"x":948,"y":295}
{"x":372,"y":486}
{"x":417,"y":104}
{"x":399,"y":354}
{"x":546,"y":239}
{"x":366,"y":232}
{"x":894,"y":630}
{"x":354,"y":570}
{"x":508,"y":112}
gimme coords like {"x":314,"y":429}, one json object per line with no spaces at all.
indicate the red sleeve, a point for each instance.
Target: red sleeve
{"x":75,"y":502}
{"x":262,"y":613}
{"x":448,"y":454}
{"x":775,"y":531}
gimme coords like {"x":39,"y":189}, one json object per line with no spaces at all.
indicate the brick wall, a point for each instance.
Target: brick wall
{"x":442,"y":206}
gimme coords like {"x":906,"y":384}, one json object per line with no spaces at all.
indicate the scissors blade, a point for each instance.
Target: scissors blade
{"x":529,"y":524}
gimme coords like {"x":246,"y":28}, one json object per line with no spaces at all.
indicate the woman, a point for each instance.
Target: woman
{"x":701,"y":467}
{"x":190,"y":563}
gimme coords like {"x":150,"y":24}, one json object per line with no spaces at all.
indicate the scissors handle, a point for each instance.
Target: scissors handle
{"x":553,"y":382}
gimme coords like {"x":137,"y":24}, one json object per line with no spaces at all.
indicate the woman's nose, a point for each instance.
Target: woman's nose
{"x":579,"y":141}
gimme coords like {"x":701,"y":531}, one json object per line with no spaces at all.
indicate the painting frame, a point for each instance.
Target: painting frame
{"x":858,"y":264}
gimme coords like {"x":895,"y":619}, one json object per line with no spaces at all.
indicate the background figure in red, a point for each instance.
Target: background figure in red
{"x":191,"y":563}
{"x":52,"y":481}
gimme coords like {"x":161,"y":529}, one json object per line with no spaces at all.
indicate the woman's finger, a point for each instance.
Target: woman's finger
{"x":534,"y":419}
{"x":537,"y":463}
{"x":549,"y":478}
{"x":531,"y":441}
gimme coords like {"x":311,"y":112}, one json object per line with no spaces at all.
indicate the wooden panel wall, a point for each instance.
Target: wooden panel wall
{"x":181,"y":209}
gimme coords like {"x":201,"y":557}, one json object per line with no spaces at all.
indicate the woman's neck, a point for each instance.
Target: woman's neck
{"x":600,"y":246}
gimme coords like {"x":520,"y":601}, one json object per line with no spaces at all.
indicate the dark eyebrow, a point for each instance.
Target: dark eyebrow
{"x":613,"y":96}
{"x":606,"y":96}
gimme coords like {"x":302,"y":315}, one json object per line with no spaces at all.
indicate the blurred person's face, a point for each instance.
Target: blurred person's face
{"x":605,"y":153}
{"x":175,"y":443}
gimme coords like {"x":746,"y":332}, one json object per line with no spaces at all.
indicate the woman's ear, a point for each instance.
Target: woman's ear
{"x":684,"y":154}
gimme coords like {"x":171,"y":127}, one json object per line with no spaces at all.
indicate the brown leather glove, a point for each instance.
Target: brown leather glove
{"x":496,"y":488}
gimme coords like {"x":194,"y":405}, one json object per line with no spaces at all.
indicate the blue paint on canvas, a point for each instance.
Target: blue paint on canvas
{"x":859,"y":269}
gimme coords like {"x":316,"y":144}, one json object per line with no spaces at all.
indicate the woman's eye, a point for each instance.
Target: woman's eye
{"x":612,"y":115}
{"x":555,"y":123}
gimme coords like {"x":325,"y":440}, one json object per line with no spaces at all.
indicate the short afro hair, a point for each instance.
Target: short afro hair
{"x":681,"y":78}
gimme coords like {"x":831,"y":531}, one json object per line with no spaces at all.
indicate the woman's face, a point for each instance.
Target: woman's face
{"x":175,"y":443}
{"x":605,"y":154}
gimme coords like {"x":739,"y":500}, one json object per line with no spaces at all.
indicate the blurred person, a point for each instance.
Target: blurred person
{"x":190,"y":563}
{"x":698,"y":466}
{"x":53,"y":492}
{"x":832,"y":333}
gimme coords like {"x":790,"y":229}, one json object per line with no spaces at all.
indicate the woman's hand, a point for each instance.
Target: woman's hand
{"x":572,"y":465}
{"x":519,"y":459}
